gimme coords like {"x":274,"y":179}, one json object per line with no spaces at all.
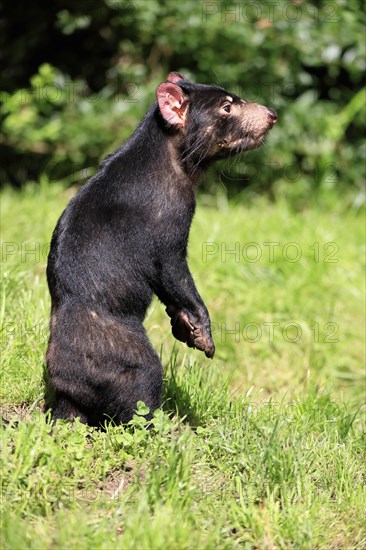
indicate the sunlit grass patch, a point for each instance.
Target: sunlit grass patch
{"x":260,"y":448}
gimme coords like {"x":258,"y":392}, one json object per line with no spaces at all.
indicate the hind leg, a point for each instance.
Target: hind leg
{"x":100,"y":366}
{"x":139,"y":383}
{"x":64,"y":408}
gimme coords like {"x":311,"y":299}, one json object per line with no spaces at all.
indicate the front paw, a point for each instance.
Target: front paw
{"x":189,"y":331}
{"x":204,"y":342}
{"x":182,"y":328}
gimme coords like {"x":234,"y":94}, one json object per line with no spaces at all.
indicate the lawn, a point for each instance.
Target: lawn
{"x":260,"y":448}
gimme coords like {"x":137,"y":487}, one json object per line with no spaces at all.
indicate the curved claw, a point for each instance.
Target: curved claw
{"x":184,"y":331}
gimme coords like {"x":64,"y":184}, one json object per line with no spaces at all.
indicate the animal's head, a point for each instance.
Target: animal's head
{"x":215,"y":123}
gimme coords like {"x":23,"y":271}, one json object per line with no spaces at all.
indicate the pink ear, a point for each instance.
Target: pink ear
{"x":175,"y":77}
{"x":172,"y":103}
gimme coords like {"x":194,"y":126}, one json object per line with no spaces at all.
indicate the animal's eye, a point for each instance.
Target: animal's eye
{"x":227,"y":107}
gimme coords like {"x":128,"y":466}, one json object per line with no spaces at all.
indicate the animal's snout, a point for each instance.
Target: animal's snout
{"x":272,"y":116}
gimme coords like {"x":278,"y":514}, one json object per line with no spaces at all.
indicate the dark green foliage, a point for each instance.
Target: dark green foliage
{"x":80,"y":75}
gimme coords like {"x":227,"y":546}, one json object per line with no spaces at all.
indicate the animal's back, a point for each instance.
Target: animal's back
{"x":97,"y":256}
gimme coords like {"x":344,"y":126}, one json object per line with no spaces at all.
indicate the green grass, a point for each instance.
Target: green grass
{"x":260,"y":449}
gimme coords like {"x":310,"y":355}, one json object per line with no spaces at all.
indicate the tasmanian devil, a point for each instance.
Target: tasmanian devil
{"x":123,"y":237}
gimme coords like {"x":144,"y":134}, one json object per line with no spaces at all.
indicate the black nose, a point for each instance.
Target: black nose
{"x":272,"y":115}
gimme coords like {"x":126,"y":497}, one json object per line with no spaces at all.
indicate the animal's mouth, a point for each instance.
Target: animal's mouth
{"x":255,"y":140}
{"x":250,"y":140}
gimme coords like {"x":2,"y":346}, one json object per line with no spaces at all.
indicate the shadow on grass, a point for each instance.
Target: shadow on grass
{"x":190,"y":392}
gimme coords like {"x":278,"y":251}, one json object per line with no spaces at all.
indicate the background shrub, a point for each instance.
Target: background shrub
{"x":80,"y":75}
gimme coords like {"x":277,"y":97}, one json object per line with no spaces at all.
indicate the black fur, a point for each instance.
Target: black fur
{"x":121,"y":239}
